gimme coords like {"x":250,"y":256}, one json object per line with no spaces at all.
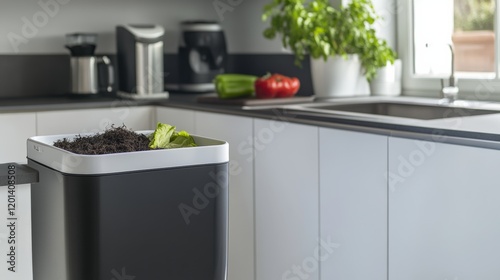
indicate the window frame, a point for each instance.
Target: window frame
{"x":470,"y":88}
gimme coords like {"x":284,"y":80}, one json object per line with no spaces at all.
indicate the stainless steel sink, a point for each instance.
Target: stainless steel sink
{"x":395,"y":109}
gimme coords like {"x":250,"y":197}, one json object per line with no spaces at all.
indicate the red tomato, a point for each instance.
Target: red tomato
{"x":276,"y":85}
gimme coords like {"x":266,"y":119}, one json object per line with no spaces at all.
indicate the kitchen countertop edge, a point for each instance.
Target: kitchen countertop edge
{"x":188,"y":101}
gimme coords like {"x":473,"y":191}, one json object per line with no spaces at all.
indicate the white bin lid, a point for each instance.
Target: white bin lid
{"x":41,"y":150}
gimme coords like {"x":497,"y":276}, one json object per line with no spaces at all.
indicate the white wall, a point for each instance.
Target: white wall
{"x":242,"y":23}
{"x":388,"y":10}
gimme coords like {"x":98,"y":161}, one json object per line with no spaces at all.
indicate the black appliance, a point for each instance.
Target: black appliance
{"x":202,"y":55}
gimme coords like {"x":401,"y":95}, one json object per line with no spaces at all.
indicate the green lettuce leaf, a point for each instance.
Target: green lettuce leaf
{"x":181,"y":142}
{"x":161,"y":136}
{"x":165,"y":137}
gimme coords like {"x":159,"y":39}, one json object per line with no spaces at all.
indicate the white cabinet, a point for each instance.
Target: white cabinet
{"x":15,"y":128}
{"x":353,"y":205}
{"x":94,"y":120}
{"x":444,"y":211}
{"x":286,"y":200}
{"x":182,"y":119}
{"x":237,"y":131}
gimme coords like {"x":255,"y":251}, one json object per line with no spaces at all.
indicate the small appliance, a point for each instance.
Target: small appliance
{"x":86,"y":77}
{"x":140,"y":61}
{"x":202,"y":55}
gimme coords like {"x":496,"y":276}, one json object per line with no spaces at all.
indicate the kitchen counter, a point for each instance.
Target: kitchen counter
{"x":483,"y":130}
{"x":49,"y":103}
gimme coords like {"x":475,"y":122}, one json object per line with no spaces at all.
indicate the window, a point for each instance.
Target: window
{"x":474,"y":36}
{"x":428,"y":29}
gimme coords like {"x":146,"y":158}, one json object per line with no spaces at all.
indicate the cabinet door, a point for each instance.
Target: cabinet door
{"x":286,"y":200}
{"x":353,"y":205}
{"x":182,"y":119}
{"x":444,"y":211}
{"x":15,"y":128}
{"x":94,"y":120}
{"x":237,"y":131}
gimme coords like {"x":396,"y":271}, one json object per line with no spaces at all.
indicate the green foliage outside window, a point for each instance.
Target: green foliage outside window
{"x":473,"y":15}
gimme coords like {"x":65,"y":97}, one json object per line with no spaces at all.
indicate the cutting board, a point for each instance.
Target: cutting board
{"x":252,"y":101}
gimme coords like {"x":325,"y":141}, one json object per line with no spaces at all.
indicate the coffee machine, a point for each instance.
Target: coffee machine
{"x":140,"y":61}
{"x":202,"y":55}
{"x":86,"y":67}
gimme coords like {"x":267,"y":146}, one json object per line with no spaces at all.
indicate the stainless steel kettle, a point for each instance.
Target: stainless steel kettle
{"x":86,"y":76}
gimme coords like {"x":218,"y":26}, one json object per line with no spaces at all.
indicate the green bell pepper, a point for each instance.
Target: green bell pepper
{"x":234,"y":85}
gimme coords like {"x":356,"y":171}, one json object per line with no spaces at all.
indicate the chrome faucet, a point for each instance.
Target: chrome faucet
{"x":450,"y":92}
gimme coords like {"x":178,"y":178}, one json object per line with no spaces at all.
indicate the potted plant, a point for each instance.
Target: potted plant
{"x":342,"y":42}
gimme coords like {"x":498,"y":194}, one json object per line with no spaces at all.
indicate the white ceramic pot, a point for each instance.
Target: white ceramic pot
{"x":336,"y":77}
{"x":388,"y":80}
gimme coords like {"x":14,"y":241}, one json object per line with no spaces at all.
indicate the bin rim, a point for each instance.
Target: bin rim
{"x":42,"y":150}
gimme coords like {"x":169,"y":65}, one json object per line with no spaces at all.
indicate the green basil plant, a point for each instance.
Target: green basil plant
{"x":318,"y":29}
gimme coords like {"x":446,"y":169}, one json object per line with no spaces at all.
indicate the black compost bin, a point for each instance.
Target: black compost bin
{"x":147,"y":215}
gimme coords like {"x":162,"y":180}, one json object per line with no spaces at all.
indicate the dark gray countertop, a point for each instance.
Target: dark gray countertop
{"x":481,"y":131}
{"x":61,"y":102}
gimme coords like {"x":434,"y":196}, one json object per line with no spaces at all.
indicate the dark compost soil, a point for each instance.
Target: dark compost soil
{"x":113,"y":140}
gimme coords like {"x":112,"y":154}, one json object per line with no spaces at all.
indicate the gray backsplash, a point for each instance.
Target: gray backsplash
{"x":48,"y":75}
